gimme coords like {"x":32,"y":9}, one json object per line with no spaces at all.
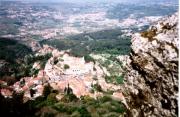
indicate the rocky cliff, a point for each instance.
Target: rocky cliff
{"x":151,"y":82}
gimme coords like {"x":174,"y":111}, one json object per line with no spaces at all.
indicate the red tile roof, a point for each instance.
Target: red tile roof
{"x":6,"y":92}
{"x":29,"y":84}
{"x":37,"y":78}
{"x":25,"y":88}
{"x":2,"y":82}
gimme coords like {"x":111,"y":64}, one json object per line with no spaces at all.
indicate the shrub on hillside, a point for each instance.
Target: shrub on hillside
{"x":149,"y":34}
{"x":66,"y":66}
{"x":97,"y":87}
{"x":167,"y":26}
{"x":119,"y":79}
{"x":47,"y":90}
{"x":88,"y":59}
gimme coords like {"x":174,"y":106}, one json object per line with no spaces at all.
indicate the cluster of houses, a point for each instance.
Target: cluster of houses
{"x":25,"y":85}
{"x":79,"y":76}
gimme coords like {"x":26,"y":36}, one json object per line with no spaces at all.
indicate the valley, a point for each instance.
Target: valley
{"x":104,"y":59}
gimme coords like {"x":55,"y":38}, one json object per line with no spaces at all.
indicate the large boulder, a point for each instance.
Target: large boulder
{"x":151,"y":82}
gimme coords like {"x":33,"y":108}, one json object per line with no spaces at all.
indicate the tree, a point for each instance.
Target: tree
{"x":88,"y":58}
{"x":66,"y":66}
{"x":32,"y":92}
{"x":68,"y":90}
{"x":97,"y":87}
{"x":47,"y":90}
{"x":84,"y":112}
{"x":68,"y":95}
{"x":119,"y":79}
{"x":51,"y":99}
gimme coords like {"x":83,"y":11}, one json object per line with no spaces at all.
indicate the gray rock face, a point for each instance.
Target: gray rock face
{"x":151,"y":82}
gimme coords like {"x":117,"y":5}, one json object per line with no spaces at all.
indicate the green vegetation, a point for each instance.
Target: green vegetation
{"x":88,"y":58}
{"x":119,"y":79}
{"x":66,"y":66}
{"x":11,"y":50}
{"x":13,"y":53}
{"x":60,"y":59}
{"x":114,"y":67}
{"x":101,"y":42}
{"x":103,"y":34}
{"x":28,"y":63}
{"x":56,"y":61}
{"x":115,"y":79}
{"x":47,"y":105}
{"x":42,"y":58}
{"x":34,"y":71}
{"x":83,"y":107}
{"x":18,"y":60}
{"x":96,"y":87}
{"x":47,"y":90}
{"x":69,"y":105}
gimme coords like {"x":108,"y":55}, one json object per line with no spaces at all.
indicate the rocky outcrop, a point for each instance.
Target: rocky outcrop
{"x":151,"y":82}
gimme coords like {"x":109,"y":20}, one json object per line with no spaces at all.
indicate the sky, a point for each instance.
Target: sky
{"x":110,"y":1}
{"x":71,"y":0}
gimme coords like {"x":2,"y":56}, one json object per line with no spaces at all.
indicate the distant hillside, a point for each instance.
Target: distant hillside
{"x":123,"y":11}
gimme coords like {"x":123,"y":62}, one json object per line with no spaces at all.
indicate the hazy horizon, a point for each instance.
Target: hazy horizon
{"x":95,"y":1}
